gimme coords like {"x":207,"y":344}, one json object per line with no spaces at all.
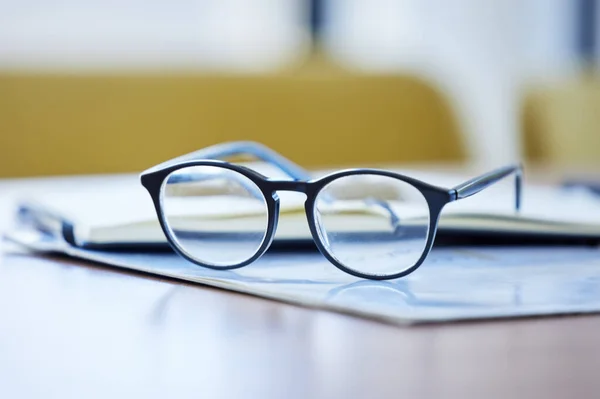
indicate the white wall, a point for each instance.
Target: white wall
{"x":480,"y":52}
{"x":220,"y":34}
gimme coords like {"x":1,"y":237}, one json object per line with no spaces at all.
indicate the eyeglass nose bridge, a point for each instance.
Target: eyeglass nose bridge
{"x":288,"y":185}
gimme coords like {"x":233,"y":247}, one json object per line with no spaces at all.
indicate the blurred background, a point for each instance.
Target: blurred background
{"x":102,"y":86}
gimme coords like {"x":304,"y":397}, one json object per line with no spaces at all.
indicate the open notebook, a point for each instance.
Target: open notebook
{"x":120,"y":213}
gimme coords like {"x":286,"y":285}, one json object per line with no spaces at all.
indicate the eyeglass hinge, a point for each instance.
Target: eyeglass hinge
{"x":453,"y":195}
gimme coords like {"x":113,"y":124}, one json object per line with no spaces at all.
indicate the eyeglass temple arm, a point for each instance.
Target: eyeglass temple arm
{"x":234,"y":148}
{"x":480,"y":183}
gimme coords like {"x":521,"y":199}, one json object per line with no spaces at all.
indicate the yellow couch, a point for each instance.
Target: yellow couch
{"x":101,"y":123}
{"x":562,"y":122}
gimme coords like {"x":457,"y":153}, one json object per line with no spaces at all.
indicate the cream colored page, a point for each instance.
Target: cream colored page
{"x":123,"y":201}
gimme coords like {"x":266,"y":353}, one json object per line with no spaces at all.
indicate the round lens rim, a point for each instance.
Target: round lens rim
{"x":271,"y":203}
{"x":435,"y":197}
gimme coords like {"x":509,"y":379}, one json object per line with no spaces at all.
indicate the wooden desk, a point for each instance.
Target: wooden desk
{"x":74,"y":330}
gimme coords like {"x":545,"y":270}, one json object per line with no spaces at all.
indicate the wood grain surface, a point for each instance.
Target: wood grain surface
{"x":69,"y":330}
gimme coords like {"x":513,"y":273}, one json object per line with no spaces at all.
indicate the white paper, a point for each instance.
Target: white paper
{"x":453,"y":284}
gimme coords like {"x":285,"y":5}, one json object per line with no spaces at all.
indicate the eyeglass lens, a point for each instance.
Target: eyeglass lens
{"x":373,"y":224}
{"x":215,"y":215}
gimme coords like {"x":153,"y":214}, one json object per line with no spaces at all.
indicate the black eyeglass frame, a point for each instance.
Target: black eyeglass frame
{"x":436,"y":197}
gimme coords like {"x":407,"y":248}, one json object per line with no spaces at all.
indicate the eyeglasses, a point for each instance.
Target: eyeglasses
{"x":371,"y":223}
